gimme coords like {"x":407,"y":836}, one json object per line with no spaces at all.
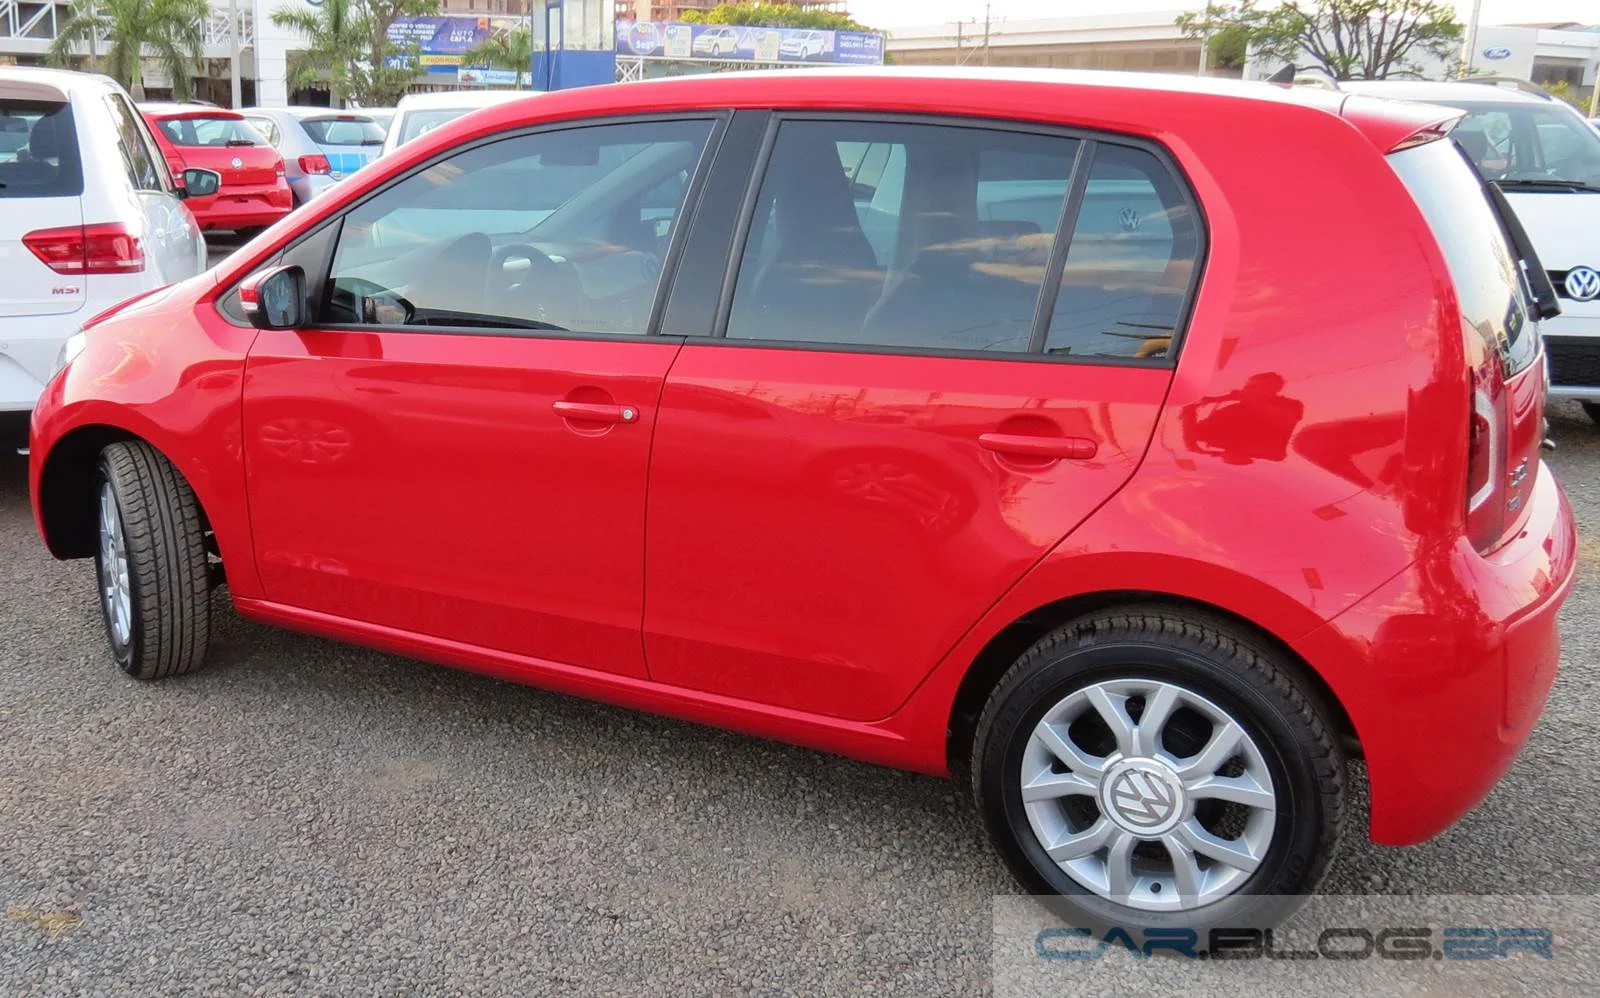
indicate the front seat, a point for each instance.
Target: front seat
{"x":822,"y":277}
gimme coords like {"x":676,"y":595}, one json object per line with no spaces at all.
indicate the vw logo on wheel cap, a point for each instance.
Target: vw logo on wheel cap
{"x":1583,"y":283}
{"x":1143,"y":796}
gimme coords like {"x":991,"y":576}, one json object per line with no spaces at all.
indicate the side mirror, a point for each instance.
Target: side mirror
{"x":199,"y":183}
{"x":275,"y":298}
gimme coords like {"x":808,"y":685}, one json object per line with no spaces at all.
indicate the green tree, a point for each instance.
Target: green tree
{"x":1350,"y":39}
{"x":350,"y":48}
{"x":504,"y":50}
{"x":774,"y":15}
{"x":168,"y":31}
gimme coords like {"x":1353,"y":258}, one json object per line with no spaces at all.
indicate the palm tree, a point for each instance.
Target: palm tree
{"x":338,"y":33}
{"x":504,"y":50}
{"x":167,"y":30}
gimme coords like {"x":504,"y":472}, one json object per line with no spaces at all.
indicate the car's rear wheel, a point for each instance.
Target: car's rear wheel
{"x":1593,"y":410}
{"x":1154,"y":767}
{"x":154,"y":580}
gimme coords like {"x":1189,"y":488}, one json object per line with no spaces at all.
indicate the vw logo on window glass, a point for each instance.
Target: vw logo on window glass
{"x":1129,"y":218}
{"x":1583,"y":283}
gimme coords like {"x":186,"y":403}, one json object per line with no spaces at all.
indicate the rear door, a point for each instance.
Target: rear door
{"x":884,"y":430}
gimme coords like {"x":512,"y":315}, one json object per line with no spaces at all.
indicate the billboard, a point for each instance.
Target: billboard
{"x":738,"y":43}
{"x":441,"y":40}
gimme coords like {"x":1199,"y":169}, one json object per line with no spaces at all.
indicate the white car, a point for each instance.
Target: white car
{"x":418,"y":114}
{"x":1546,"y":159}
{"x":803,"y":45}
{"x":89,"y":216}
{"x":320,"y":146}
{"x":717,"y":41}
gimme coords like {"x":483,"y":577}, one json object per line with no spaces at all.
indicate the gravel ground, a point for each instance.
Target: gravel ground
{"x":309,"y":818}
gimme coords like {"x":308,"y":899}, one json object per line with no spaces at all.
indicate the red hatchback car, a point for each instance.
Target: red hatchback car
{"x":255,"y":193}
{"x":1135,"y":450}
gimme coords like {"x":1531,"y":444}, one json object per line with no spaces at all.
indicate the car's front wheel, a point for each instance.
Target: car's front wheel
{"x":151,"y":564}
{"x":1154,"y":767}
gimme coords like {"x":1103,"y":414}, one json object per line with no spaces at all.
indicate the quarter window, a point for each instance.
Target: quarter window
{"x":901,"y":235}
{"x":558,"y":231}
{"x":1135,"y":244}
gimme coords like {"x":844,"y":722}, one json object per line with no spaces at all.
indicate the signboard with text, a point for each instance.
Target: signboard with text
{"x":737,"y":43}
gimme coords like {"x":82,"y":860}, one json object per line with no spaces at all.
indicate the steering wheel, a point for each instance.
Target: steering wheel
{"x":551,"y":281}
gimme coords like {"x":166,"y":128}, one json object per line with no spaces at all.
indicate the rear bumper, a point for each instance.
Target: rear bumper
{"x":1445,"y":669}
{"x":245,"y":208}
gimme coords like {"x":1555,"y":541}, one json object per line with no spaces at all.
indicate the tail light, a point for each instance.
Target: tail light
{"x":278,"y":169}
{"x":315,"y":165}
{"x":1487,"y":445}
{"x":107,"y":248}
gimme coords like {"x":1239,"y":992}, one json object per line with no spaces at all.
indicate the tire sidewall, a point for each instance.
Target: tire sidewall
{"x":125,"y":654}
{"x":1265,"y":897}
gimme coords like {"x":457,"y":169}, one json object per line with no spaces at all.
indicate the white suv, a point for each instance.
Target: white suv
{"x":1546,"y":159}
{"x":89,"y":216}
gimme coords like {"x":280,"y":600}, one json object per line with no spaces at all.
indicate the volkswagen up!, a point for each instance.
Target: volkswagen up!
{"x":1003,"y":426}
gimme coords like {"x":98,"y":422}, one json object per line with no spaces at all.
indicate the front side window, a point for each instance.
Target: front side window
{"x":561,"y":231}
{"x":909,"y":236}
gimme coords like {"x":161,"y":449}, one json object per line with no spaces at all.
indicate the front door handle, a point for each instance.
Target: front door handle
{"x":596,"y":412}
{"x":1030,"y":445}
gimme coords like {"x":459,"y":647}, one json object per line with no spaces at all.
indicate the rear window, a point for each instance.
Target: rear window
{"x":38,"y":151}
{"x":1486,"y":274}
{"x":343,"y":131}
{"x":218,"y":132}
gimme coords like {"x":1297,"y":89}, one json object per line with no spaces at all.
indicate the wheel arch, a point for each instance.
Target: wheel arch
{"x":66,"y":500}
{"x":1011,"y":641}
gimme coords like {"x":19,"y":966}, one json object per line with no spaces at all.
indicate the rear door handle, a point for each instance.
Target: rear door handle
{"x":596,"y":412}
{"x":1029,"y":445}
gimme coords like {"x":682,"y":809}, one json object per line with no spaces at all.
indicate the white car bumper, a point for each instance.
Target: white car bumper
{"x":28,"y":348}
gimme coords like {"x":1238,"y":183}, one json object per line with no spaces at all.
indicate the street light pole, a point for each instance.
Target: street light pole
{"x":235,"y":90}
{"x":1469,"y":41}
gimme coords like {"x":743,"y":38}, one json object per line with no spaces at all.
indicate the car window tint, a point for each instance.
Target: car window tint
{"x":900,"y":235}
{"x":38,"y":150}
{"x":346,"y":130}
{"x":268,"y":128}
{"x":1135,"y":244}
{"x":560,"y":230}
{"x":143,"y":171}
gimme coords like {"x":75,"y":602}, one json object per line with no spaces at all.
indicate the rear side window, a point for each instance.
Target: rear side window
{"x":217,"y":132}
{"x":902,"y":235}
{"x":267,"y":128}
{"x":343,"y":131}
{"x":1482,"y":266}
{"x":38,"y":151}
{"x":1135,"y":245}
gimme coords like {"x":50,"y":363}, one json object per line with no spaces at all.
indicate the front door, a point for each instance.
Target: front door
{"x":459,"y":446}
{"x":902,"y":413}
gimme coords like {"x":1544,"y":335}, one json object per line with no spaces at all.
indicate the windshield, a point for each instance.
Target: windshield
{"x":345,"y":130}
{"x":420,"y":123}
{"x":1529,"y":143}
{"x":210,"y":132}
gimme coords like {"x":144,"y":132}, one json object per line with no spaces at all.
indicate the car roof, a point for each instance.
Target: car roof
{"x":1146,"y":100}
{"x":326,"y":112}
{"x":460,"y":98}
{"x":163,"y":109}
{"x":1456,"y":92}
{"x":64,"y":81}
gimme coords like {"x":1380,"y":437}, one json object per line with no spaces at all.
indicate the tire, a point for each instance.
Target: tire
{"x":152,"y":550}
{"x":1216,"y":673}
{"x":1593,"y":411}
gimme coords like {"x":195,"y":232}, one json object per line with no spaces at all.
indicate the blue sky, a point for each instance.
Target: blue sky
{"x":891,"y":14}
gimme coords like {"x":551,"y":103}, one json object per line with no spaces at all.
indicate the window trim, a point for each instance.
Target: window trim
{"x":1061,"y":241}
{"x":693,"y":191}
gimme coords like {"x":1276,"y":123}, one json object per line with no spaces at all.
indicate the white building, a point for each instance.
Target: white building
{"x":1147,"y":41}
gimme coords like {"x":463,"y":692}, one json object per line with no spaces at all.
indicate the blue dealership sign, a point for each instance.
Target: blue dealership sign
{"x":743,"y":43}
